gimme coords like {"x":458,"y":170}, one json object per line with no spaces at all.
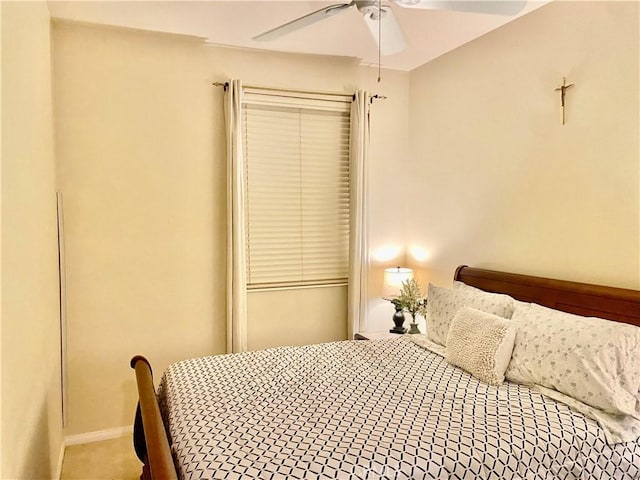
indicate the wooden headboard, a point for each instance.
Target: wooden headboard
{"x":619,"y":304}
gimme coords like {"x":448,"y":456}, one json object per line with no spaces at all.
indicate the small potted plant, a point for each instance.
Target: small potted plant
{"x":412,"y":301}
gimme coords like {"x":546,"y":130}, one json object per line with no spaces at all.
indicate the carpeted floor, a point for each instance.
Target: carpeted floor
{"x":107,"y":460}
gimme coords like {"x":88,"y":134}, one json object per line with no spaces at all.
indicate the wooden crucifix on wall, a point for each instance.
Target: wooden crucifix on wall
{"x":563,"y":90}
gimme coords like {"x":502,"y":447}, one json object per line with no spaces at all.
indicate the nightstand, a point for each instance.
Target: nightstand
{"x":375,"y":335}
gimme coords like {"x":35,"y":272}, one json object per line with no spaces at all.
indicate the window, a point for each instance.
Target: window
{"x":296,"y":150}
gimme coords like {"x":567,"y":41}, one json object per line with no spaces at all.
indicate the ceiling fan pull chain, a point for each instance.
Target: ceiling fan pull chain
{"x":379,"y":39}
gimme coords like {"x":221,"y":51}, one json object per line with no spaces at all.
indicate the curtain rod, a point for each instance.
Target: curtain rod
{"x":272,"y":89}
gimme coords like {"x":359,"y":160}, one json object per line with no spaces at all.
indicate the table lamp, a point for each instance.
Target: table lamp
{"x":392,"y":284}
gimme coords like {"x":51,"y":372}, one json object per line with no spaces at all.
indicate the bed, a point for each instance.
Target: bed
{"x":377,"y":409}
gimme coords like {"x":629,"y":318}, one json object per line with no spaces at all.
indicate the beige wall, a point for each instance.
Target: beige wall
{"x":1,"y":131}
{"x":141,"y":158}
{"x":388,"y":178}
{"x":138,"y":149}
{"x":31,"y":409}
{"x":296,"y":317}
{"x":496,"y":180}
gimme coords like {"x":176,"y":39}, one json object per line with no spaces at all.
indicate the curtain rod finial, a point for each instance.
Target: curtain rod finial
{"x":224,"y":85}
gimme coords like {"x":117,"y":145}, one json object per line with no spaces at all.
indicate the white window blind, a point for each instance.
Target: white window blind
{"x":296,"y":149}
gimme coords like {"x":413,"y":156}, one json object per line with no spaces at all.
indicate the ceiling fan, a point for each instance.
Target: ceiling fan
{"x":382,"y":22}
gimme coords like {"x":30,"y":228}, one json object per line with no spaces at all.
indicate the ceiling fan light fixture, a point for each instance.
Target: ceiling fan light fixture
{"x":393,"y":40}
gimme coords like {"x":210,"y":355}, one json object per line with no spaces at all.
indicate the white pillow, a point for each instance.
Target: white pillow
{"x":458,"y":285}
{"x":593,"y":360}
{"x":481,"y":344}
{"x":444,"y":303}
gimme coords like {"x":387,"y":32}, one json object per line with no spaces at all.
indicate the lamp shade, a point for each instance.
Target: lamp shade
{"x":393,"y":278}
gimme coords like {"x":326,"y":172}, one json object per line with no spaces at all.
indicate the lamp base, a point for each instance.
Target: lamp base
{"x":397,"y":330}
{"x":398,"y":320}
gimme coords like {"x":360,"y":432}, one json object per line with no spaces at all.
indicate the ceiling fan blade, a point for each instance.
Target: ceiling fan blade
{"x":391,"y":33}
{"x":302,"y":22}
{"x":493,"y":7}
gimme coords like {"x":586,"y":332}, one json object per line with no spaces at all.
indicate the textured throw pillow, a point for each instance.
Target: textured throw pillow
{"x":444,"y":303}
{"x":593,"y":360}
{"x":481,"y":344}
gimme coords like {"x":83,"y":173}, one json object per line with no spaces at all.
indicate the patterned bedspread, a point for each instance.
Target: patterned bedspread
{"x":384,"y":409}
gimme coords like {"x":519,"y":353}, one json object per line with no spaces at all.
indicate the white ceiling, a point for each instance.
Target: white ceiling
{"x":429,"y":33}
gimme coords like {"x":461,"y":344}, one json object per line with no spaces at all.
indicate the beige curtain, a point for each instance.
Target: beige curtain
{"x":236,"y":260}
{"x":359,"y":231}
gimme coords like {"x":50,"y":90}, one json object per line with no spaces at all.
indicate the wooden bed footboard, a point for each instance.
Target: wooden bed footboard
{"x":149,"y":436}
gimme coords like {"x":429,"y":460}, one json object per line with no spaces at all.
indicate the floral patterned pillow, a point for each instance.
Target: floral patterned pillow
{"x":593,"y":360}
{"x":444,"y":303}
{"x":457,"y":285}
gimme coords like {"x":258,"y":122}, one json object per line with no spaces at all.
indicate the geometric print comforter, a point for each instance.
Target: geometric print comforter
{"x":377,"y":409}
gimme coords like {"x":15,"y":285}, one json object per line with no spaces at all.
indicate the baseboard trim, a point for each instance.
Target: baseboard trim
{"x":60,"y":460}
{"x":98,"y":436}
